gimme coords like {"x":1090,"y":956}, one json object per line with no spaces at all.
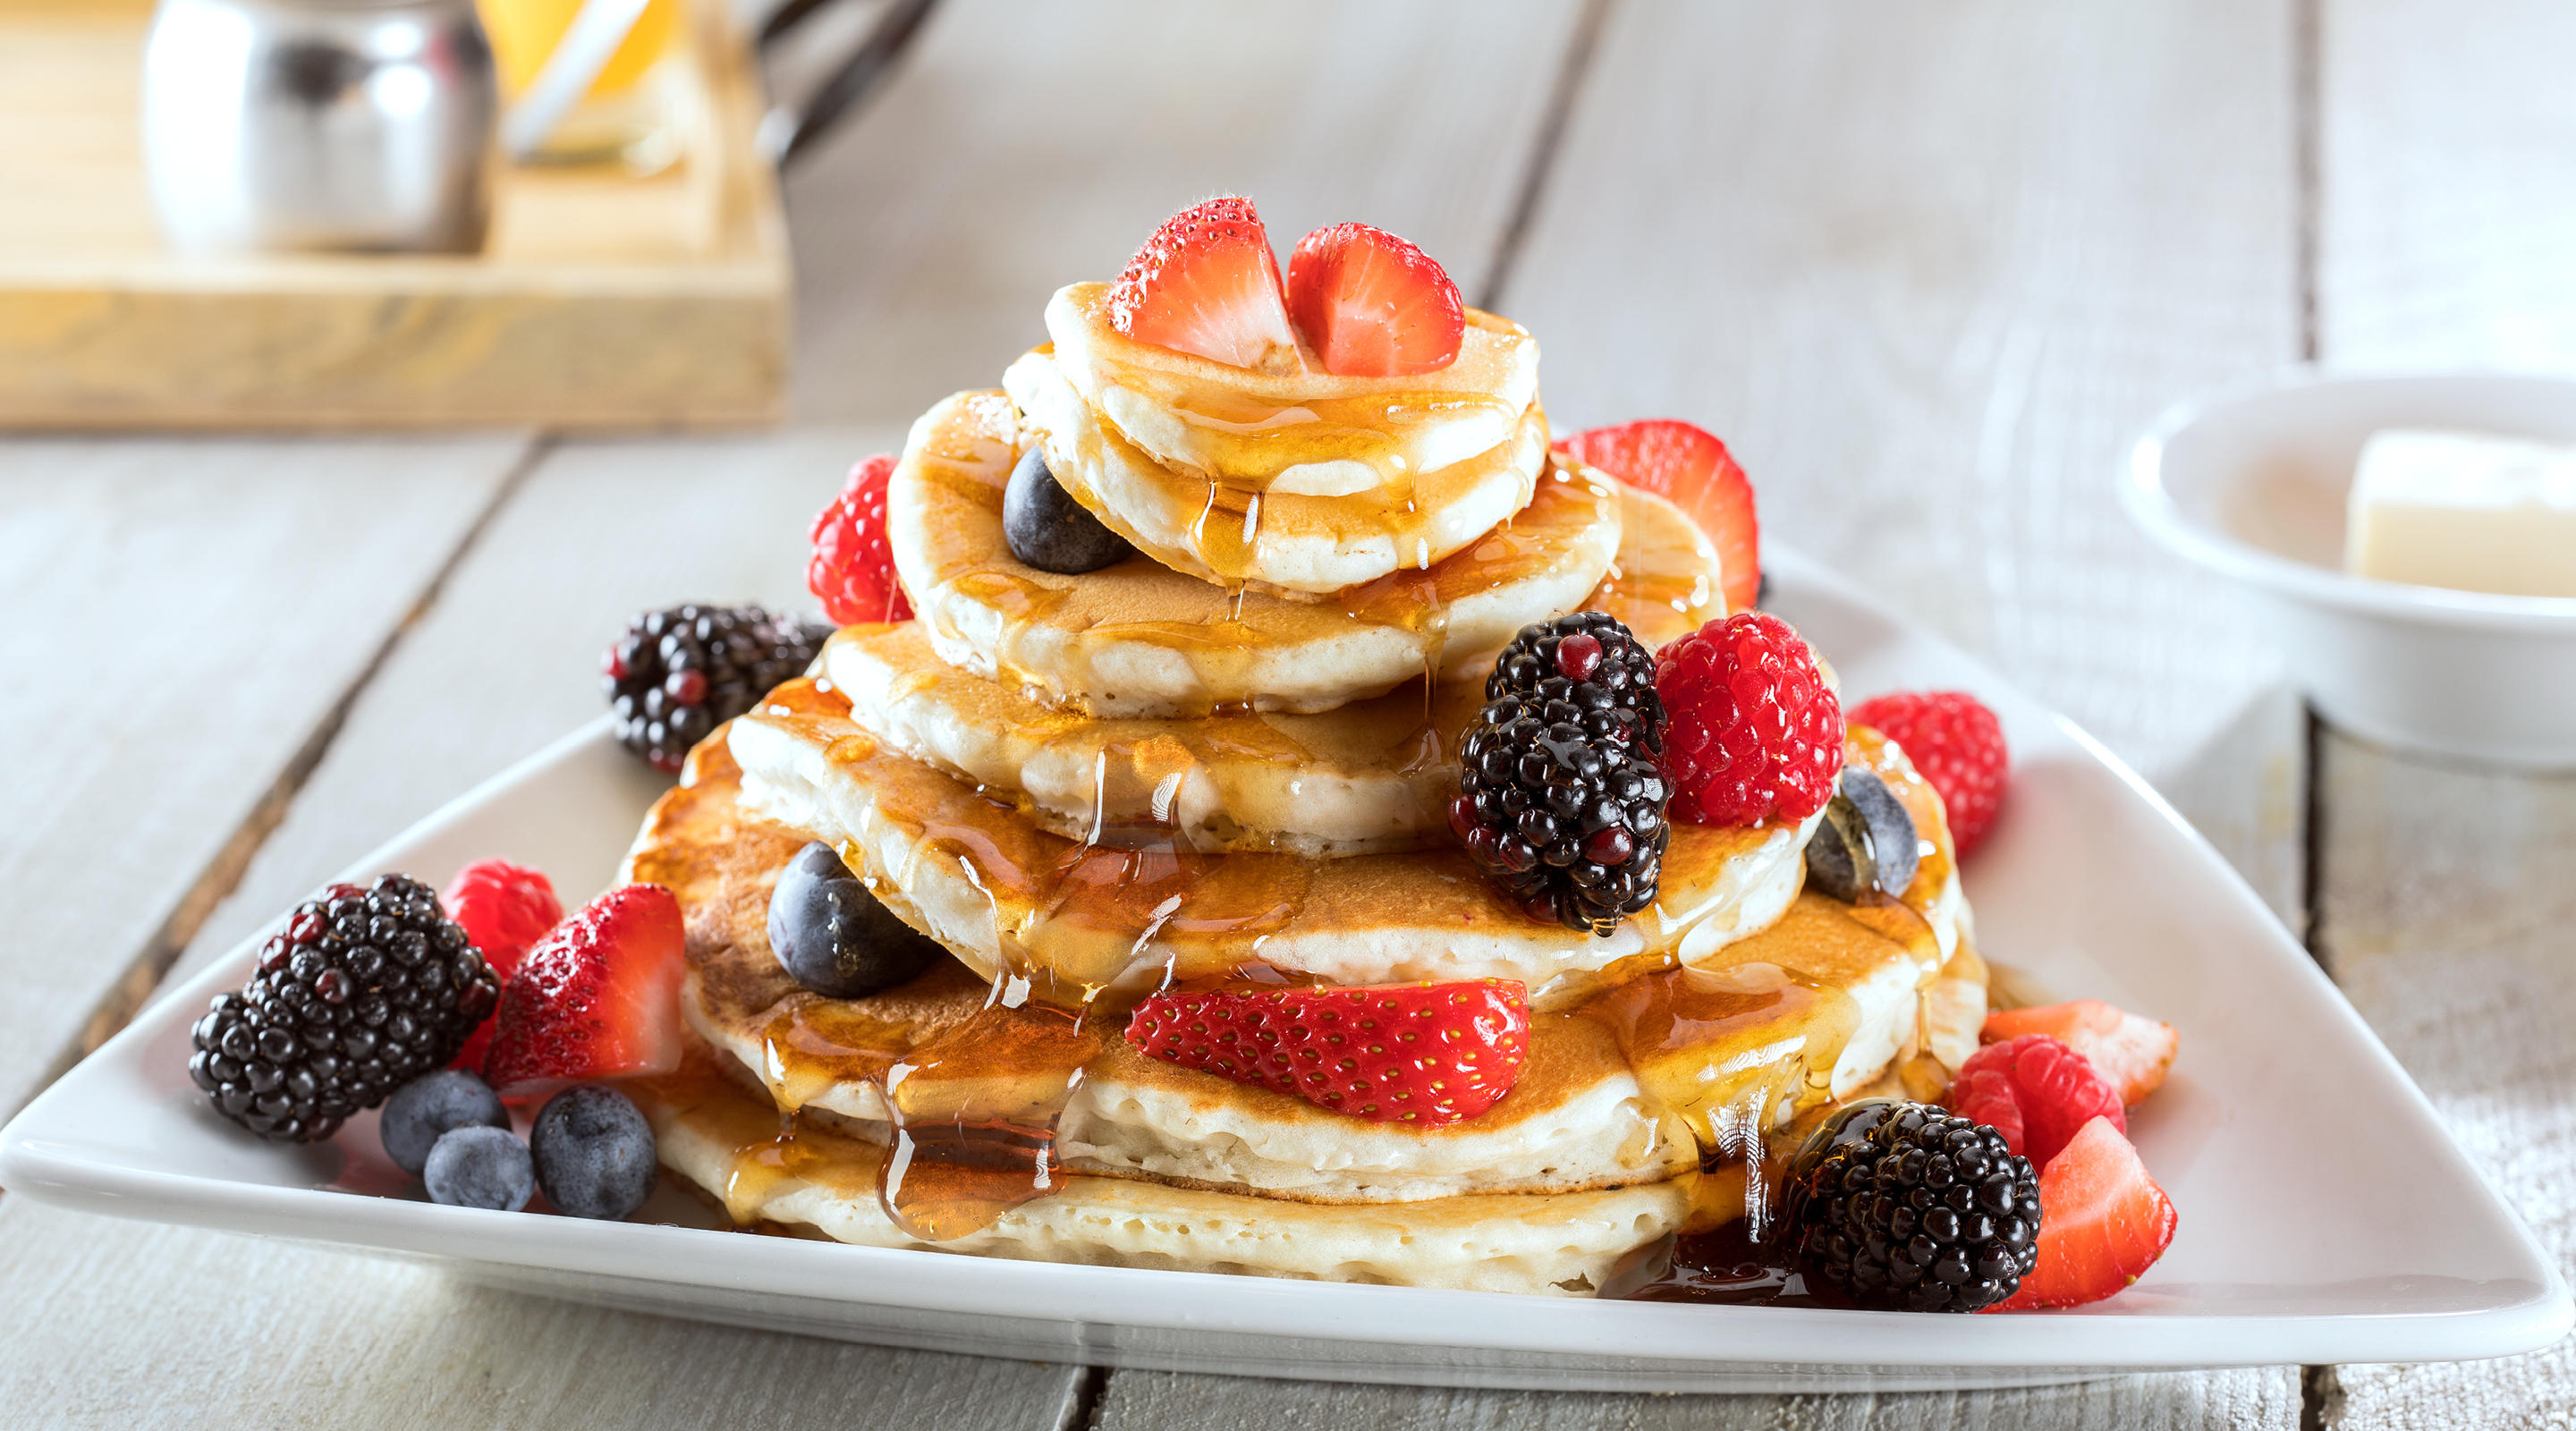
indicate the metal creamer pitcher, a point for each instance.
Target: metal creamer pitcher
{"x":354,"y":125}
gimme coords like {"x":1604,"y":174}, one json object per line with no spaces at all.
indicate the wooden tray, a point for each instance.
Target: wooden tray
{"x":603,"y":301}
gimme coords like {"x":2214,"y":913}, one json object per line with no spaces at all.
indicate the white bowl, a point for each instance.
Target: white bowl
{"x":2251,"y":483}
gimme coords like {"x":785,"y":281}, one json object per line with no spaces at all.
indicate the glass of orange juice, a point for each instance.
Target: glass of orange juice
{"x":627,"y":114}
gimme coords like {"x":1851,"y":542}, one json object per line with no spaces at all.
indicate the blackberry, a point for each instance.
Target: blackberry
{"x":1909,"y":1207}
{"x":1561,"y":810}
{"x":678,"y":674}
{"x":1610,"y":677}
{"x":366,"y":990}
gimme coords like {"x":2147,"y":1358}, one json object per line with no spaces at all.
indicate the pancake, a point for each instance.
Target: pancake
{"x":992,"y":885}
{"x":1298,"y":480}
{"x":1371,"y":520}
{"x":1139,"y":639}
{"x":1577,"y":1118}
{"x":728,"y":1143}
{"x":1374,"y":776}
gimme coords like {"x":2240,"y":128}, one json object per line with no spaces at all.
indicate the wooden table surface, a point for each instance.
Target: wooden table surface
{"x":1927,"y":268}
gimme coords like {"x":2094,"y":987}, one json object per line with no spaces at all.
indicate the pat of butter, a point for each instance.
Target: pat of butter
{"x":2465,"y":511}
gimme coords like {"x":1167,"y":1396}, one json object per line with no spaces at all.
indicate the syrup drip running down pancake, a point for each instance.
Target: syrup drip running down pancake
{"x":1303,"y":481}
{"x":979,"y":873}
{"x":1139,"y":639}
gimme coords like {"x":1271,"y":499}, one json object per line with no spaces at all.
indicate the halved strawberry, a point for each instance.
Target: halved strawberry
{"x":1693,"y":470}
{"x":1372,"y":305}
{"x":504,"y":909}
{"x":597,"y":998}
{"x":1207,"y":283}
{"x":2130,"y":1051}
{"x":1426,"y":1054}
{"x":2102,"y":1223}
{"x":2052,"y":1087}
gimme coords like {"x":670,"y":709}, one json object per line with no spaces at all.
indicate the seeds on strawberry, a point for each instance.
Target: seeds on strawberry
{"x":2132,"y":1053}
{"x":2103,"y":1222}
{"x":1425,"y":1054}
{"x":597,"y":998}
{"x":1688,"y":467}
{"x":1372,"y":305}
{"x":1207,"y":283}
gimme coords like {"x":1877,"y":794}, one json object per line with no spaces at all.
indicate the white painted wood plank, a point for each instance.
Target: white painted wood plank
{"x":2448,"y":218}
{"x":1137,"y":1401}
{"x":222,"y":1332}
{"x":2446,"y":227}
{"x":1024,"y":147}
{"x":2444,"y":916}
{"x":182,"y":615}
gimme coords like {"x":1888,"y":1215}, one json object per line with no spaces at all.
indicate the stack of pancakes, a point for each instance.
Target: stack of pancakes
{"x":1226,"y":761}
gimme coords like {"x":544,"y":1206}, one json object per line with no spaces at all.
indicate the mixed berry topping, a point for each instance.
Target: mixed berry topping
{"x":1372,"y":305}
{"x":1560,"y":800}
{"x":363,"y":991}
{"x":599,"y":997}
{"x":504,"y":908}
{"x":834,"y":936}
{"x":852,"y":569}
{"x":676,"y":675}
{"x":1866,"y":848}
{"x":1956,"y":744}
{"x":2131,"y":1051}
{"x":2104,"y":1222}
{"x":1592,"y":661}
{"x":2037,"y":1092}
{"x":1756,"y":733}
{"x":1049,"y":530}
{"x":1693,"y":470}
{"x":1908,"y":1208}
{"x":1427,"y":1054}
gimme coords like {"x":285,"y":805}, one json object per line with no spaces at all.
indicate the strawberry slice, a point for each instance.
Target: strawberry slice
{"x":2102,"y":1223}
{"x":1207,"y":283}
{"x":597,"y":998}
{"x":1426,"y":1054}
{"x":2130,"y":1051}
{"x":1372,"y":305}
{"x":1694,"y":471}
{"x":2051,"y":1087}
{"x":504,"y":908}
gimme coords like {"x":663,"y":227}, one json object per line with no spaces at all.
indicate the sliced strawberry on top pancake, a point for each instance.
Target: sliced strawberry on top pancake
{"x":1372,"y":305}
{"x":1207,"y":283}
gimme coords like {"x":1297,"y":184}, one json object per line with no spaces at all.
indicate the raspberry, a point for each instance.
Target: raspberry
{"x":1956,"y":744}
{"x":1755,"y":731}
{"x":852,"y":572}
{"x":504,"y":908}
{"x":2053,"y":1090}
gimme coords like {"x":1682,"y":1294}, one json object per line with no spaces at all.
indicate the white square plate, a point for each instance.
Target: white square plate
{"x":2325,"y":1215}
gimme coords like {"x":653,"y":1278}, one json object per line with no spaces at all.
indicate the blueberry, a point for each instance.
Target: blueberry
{"x":1048,"y":529}
{"x":480,"y":1167}
{"x":1866,"y":842}
{"x":833,"y":936}
{"x":428,"y":1106}
{"x":594,"y":1152}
